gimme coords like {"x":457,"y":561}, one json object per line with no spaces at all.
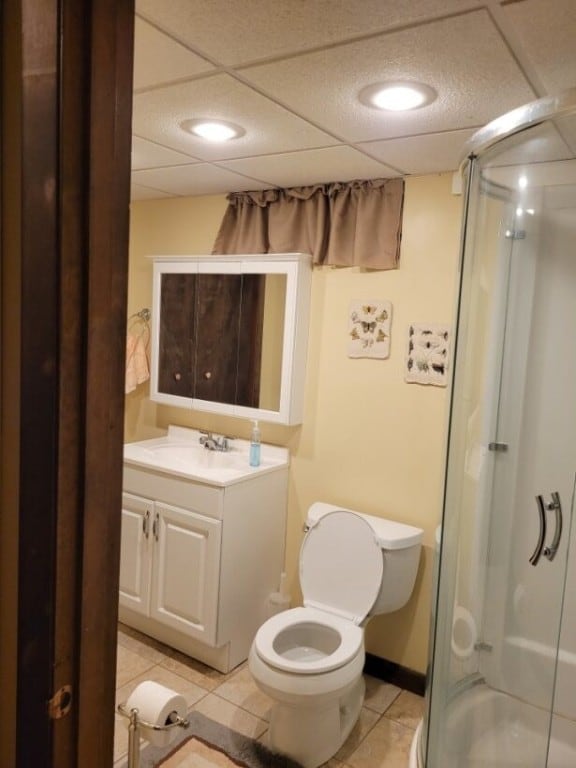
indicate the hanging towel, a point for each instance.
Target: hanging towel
{"x":137,"y":371}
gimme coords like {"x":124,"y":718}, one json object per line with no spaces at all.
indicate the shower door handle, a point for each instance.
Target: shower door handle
{"x":535,"y":556}
{"x":556,"y":506}
{"x":543,"y":507}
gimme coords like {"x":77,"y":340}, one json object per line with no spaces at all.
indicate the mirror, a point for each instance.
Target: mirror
{"x":229,"y":334}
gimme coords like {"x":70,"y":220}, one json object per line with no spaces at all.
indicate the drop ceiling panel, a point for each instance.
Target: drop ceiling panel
{"x":200,"y":179}
{"x":269,"y":128}
{"x":289,"y":73}
{"x":147,"y":154}
{"x":547,"y":29}
{"x":138,"y":192}
{"x":313,"y":166}
{"x":463,"y":58}
{"x":433,"y":154}
{"x":236,"y":31}
{"x":170,"y":60}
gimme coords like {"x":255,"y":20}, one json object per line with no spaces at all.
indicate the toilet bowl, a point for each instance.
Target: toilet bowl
{"x":309,"y":660}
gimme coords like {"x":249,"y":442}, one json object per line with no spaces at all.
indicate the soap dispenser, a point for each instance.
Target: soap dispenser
{"x":255,"y":445}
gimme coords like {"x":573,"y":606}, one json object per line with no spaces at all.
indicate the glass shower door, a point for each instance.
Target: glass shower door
{"x":510,"y":475}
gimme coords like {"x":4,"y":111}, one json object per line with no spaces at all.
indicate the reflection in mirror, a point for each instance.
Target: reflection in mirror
{"x":221,"y":337}
{"x":177,"y":329}
{"x":272,"y":341}
{"x":221,"y":331}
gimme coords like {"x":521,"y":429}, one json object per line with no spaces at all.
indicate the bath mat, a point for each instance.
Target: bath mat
{"x":208,"y":744}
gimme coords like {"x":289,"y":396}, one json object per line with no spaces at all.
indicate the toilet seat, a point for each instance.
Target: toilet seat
{"x":341,"y":566}
{"x":341,"y":569}
{"x":350,"y":641}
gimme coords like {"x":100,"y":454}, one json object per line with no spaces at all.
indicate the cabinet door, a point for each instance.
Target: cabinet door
{"x":186,"y":570}
{"x":135,"y":551}
{"x":229,"y":338}
{"x":177,"y":334}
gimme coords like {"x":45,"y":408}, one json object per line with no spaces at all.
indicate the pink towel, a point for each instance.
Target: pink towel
{"x":137,"y":370}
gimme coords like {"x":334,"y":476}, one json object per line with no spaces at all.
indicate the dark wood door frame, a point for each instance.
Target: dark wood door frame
{"x":66,"y":89}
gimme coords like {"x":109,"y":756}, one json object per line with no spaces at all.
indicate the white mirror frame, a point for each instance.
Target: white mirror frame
{"x":298,"y":270}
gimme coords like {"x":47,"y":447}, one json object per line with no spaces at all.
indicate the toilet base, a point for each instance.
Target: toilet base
{"x":312,"y":735}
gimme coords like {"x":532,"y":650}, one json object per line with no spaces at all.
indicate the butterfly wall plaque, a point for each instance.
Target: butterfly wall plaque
{"x":427,"y":356}
{"x":369,"y":328}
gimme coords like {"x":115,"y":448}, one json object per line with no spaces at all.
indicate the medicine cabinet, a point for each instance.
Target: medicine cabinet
{"x":229,"y":334}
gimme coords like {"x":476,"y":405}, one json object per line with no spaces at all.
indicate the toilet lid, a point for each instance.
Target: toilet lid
{"x":341,"y":566}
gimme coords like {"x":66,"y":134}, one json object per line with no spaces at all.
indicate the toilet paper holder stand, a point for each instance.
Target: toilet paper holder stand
{"x":134,"y":731}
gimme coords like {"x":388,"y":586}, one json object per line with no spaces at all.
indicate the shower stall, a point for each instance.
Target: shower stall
{"x":502,"y":677}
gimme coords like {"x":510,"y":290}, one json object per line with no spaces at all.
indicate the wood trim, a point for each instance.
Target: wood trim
{"x":74,"y":116}
{"x":10,"y":112}
{"x":112,"y":30}
{"x":39,"y":380}
{"x":64,"y":215}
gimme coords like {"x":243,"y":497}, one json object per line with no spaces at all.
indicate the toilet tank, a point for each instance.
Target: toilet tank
{"x":401,"y":546}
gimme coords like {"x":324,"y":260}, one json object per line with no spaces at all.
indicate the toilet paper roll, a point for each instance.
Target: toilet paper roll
{"x":155,"y":704}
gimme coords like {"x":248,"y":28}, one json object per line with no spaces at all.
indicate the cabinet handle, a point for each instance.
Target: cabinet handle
{"x":146,"y":523}
{"x":208,"y":375}
{"x":177,"y":376}
{"x":155,"y":526}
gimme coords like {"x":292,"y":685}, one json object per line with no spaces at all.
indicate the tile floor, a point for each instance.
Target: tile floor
{"x":380,"y":739}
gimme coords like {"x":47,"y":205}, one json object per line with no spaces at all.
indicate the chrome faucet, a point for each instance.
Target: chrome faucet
{"x":212,"y":443}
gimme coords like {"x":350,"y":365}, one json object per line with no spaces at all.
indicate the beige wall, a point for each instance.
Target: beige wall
{"x":369,"y":441}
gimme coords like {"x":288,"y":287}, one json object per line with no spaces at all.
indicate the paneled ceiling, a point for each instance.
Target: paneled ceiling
{"x":290,"y":71}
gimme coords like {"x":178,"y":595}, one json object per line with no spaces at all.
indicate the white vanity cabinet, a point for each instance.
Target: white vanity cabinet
{"x":170,"y":562}
{"x":199,"y":560}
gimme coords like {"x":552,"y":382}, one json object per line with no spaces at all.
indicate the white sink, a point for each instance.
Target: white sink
{"x":179,"y":452}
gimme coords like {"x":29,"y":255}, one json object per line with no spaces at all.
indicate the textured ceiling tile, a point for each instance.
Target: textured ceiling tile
{"x":433,"y":153}
{"x":312,"y":166}
{"x":159,"y":59}
{"x":138,"y":192}
{"x":235,"y":31}
{"x":269,"y":128}
{"x":463,"y":58}
{"x":547,"y":29}
{"x":201,"y":179}
{"x":147,"y":154}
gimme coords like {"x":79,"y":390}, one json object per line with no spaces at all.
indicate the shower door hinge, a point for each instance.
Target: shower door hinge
{"x":515,"y":234}
{"x":61,"y":703}
{"x":481,"y":645}
{"x":498,"y":447}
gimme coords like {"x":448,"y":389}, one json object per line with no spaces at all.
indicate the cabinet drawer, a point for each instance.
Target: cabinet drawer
{"x":197,"y":497}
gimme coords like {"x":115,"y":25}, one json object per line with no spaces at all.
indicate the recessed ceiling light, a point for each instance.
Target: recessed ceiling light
{"x":397,"y":96}
{"x":213,"y":130}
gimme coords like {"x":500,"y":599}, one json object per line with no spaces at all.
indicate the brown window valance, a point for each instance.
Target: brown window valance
{"x":350,"y":224}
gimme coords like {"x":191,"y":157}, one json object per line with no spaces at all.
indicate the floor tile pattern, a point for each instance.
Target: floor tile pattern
{"x":380,"y":739}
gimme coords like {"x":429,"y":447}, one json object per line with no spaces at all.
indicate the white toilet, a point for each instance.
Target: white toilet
{"x":309,"y":660}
